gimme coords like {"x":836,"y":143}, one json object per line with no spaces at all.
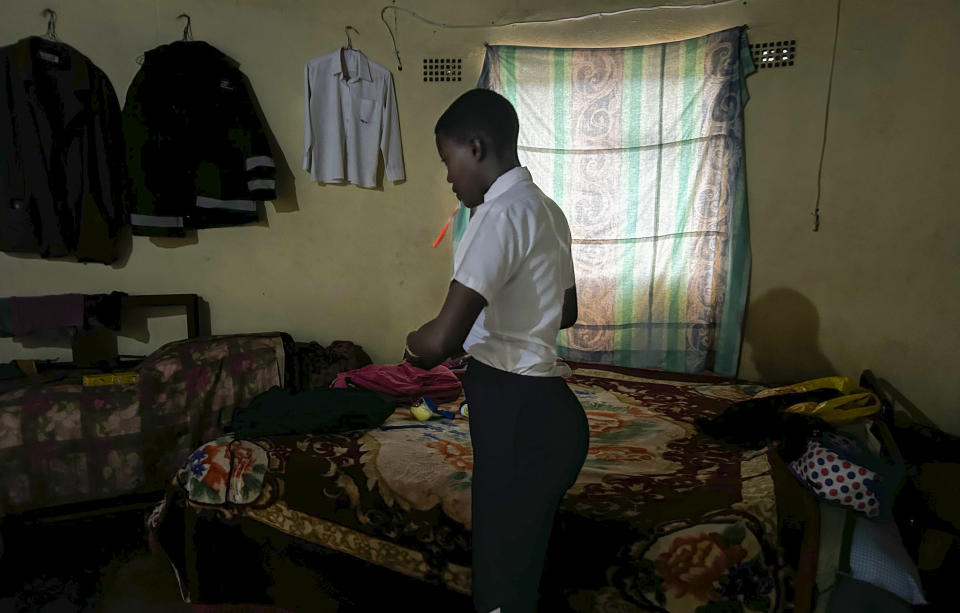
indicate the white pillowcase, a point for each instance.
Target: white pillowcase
{"x":878,"y":556}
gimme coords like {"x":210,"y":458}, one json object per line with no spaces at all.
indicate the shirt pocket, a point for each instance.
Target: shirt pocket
{"x":367,"y":108}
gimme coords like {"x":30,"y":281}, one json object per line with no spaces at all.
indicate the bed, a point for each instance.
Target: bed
{"x":661,"y":517}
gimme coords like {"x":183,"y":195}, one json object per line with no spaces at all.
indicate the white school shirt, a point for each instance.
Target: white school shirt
{"x":350,"y":117}
{"x":515,"y":253}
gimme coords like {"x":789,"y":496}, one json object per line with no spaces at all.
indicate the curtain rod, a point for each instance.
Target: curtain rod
{"x":494,"y":24}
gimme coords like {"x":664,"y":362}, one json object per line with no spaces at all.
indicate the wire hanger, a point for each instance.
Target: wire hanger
{"x":348,"y":47}
{"x":346,"y":31}
{"x":187,"y":33}
{"x":51,"y":16}
{"x":187,"y":29}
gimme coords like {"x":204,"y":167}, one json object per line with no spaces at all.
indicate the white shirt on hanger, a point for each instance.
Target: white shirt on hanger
{"x":515,"y":253}
{"x":350,"y":117}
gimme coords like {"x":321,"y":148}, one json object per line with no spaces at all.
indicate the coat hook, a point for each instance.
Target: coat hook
{"x":51,"y":16}
{"x":187,"y":29}
{"x":346,"y":31}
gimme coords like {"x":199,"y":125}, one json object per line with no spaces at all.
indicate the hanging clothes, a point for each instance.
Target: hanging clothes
{"x":197,"y":152}
{"x":350,"y":119}
{"x":60,"y":314}
{"x":6,"y":318}
{"x":61,"y":154}
{"x":34,"y":313}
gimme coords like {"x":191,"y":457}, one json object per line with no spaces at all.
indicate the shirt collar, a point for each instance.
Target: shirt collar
{"x":362,"y":70}
{"x":27,"y":59}
{"x":71,"y":72}
{"x":517,"y":174}
{"x":187,"y":52}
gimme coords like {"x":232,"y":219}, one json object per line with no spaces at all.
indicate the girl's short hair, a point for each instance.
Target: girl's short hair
{"x":481,"y":113}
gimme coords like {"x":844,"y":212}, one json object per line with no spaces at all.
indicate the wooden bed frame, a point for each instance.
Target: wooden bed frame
{"x":911,"y":512}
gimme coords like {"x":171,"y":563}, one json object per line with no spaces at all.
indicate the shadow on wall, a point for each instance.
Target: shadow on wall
{"x":782,"y":328}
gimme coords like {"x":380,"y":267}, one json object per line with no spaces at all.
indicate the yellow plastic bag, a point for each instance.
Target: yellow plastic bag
{"x":119,"y":378}
{"x":854,"y":403}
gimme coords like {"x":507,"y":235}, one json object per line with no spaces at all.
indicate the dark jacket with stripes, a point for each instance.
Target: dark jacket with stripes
{"x":197,"y":153}
{"x":61,"y":154}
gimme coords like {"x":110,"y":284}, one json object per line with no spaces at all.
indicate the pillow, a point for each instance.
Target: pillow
{"x":833,"y":477}
{"x":877,"y":556}
{"x":891,"y":476}
{"x":224,"y":470}
{"x":842,"y":467}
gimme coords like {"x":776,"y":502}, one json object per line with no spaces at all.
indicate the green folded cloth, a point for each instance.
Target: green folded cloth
{"x":277,"y":412}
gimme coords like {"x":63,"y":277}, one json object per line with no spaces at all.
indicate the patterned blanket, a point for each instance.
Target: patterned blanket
{"x":61,"y":442}
{"x":661,"y":517}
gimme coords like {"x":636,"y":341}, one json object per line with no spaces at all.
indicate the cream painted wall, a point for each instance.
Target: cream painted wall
{"x":877,"y":287}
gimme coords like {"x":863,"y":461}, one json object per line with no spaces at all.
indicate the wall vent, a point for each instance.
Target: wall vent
{"x":442,"y":69}
{"x":776,"y":54}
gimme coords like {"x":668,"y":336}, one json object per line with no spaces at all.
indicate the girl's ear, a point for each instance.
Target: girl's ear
{"x":478,"y":149}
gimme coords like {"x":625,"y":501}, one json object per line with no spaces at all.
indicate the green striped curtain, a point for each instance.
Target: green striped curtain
{"x":642,"y":148}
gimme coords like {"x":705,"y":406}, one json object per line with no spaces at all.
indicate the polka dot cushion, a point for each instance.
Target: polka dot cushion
{"x":833,"y":477}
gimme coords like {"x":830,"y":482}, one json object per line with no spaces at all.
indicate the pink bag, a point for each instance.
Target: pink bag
{"x":404,"y":382}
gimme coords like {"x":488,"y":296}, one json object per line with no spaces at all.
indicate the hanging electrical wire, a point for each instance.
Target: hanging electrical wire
{"x":826,"y":122}
{"x":493,"y":24}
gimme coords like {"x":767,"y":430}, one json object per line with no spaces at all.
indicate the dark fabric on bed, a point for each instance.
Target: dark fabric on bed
{"x":757,"y":422}
{"x":325,"y":410}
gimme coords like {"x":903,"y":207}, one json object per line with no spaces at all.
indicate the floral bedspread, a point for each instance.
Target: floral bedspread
{"x":62,"y":442}
{"x":661,"y":518}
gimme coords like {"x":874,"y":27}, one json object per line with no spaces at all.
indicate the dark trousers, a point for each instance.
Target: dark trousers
{"x":530,"y":440}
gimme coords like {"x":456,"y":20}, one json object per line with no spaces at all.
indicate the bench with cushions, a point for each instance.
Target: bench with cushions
{"x":63,"y":443}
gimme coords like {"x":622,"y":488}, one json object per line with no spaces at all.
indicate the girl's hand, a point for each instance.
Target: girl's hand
{"x":409,"y":356}
{"x":443,"y":335}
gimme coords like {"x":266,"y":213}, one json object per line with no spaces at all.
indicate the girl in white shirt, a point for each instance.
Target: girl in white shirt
{"x":512,"y":290}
